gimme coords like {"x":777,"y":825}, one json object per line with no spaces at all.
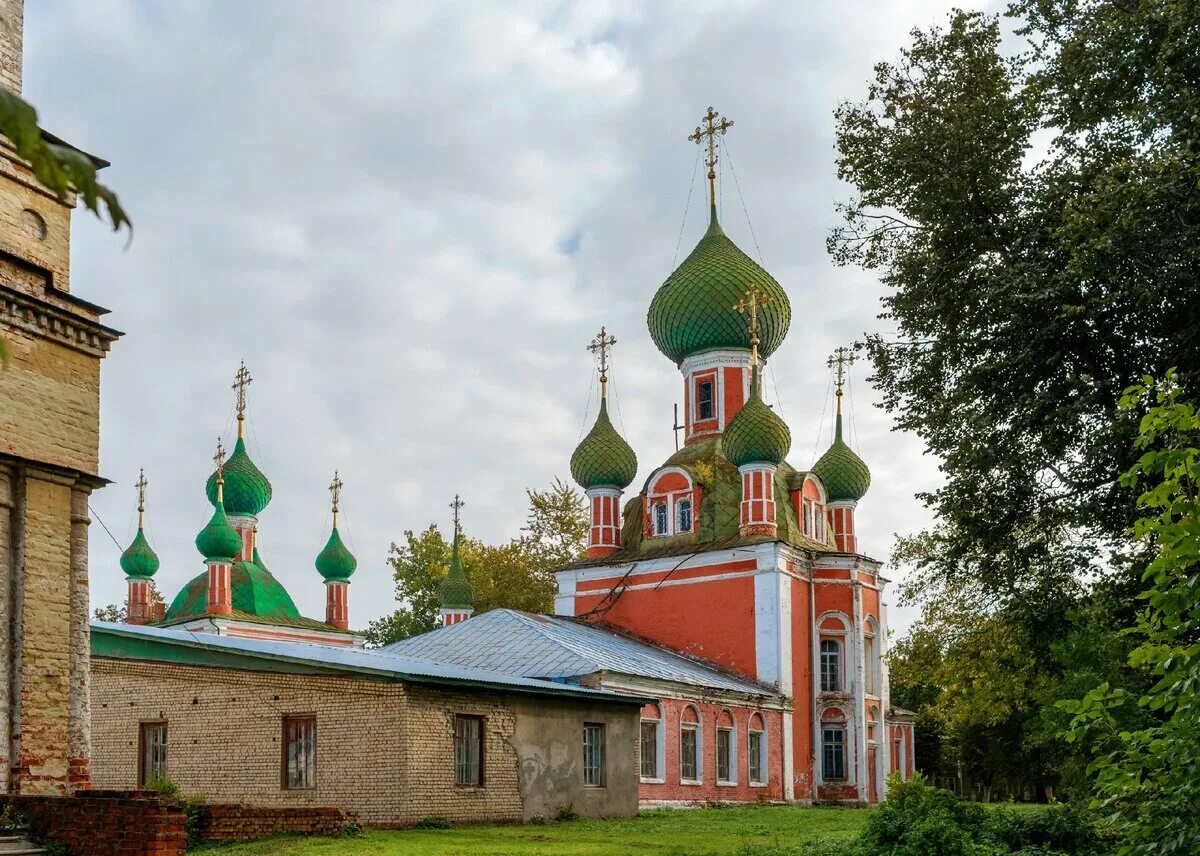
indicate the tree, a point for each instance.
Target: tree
{"x":517,"y":574}
{"x":1029,"y":288}
{"x":120,"y":614}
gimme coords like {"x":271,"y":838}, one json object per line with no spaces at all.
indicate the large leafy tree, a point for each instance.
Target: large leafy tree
{"x":1036,"y":219}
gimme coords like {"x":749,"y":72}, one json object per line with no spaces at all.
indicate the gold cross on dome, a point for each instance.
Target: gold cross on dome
{"x":219,"y":458}
{"x":709,"y":133}
{"x":749,"y":304}
{"x":600,"y":346}
{"x":141,"y":489}
{"x":335,"y":490}
{"x":241,"y":380}
{"x":841,"y":358}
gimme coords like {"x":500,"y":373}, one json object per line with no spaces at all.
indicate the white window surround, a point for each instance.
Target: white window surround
{"x":696,"y":727}
{"x":731,"y":730}
{"x":763,"y":753}
{"x":870,"y":658}
{"x":671,"y":499}
{"x":708,"y":361}
{"x":660,"y":743}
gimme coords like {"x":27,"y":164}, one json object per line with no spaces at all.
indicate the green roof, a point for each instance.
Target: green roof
{"x":256,"y":594}
{"x":603,"y":458}
{"x":247,"y":490}
{"x":756,"y":434}
{"x":218,"y":541}
{"x":845,"y":476}
{"x":139,"y":560}
{"x":455,"y":592}
{"x":336,"y":562}
{"x":693,"y":310}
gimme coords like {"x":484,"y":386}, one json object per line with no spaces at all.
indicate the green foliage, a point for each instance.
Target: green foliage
{"x":119,"y":614}
{"x":517,"y":574}
{"x":56,"y":849}
{"x":11,"y":818}
{"x":434,"y":823}
{"x":195,"y":807}
{"x":1144,"y":778}
{"x":57,"y":166}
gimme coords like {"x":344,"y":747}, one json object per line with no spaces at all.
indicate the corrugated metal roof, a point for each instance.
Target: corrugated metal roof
{"x":375,"y":662}
{"x":544,"y":646}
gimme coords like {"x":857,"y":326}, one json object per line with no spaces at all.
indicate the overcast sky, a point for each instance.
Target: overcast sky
{"x":410,"y":219}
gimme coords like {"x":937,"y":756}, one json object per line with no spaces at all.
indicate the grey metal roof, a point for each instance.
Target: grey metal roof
{"x":544,"y":646}
{"x":379,"y":663}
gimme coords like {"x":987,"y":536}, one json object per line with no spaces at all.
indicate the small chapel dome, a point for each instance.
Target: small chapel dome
{"x":336,"y":562}
{"x":693,"y":310}
{"x":247,"y":490}
{"x":218,"y":541}
{"x":845,"y":476}
{"x":756,"y":435}
{"x":456,"y":592}
{"x":603,"y":458}
{"x":139,"y":560}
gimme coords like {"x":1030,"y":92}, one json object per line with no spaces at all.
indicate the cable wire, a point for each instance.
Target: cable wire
{"x":686,"y":208}
{"x":738,"y":186}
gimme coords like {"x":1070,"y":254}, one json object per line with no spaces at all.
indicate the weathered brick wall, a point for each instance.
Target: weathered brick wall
{"x":105,"y":823}
{"x":11,"y":31}
{"x":247,"y":823}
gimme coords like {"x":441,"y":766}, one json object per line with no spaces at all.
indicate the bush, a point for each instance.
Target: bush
{"x":1056,"y":828}
{"x":434,"y":823}
{"x":195,"y":807}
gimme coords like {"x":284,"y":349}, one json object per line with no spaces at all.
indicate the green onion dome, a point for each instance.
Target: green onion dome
{"x":845,"y":476}
{"x":336,"y":562}
{"x":756,"y":435}
{"x":603,"y":458}
{"x":139,"y":560}
{"x":693,"y":310}
{"x":455,"y":592}
{"x":255,"y":593}
{"x":247,"y":490}
{"x":218,"y":541}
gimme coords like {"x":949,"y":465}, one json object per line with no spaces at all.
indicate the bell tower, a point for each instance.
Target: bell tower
{"x":53,"y":342}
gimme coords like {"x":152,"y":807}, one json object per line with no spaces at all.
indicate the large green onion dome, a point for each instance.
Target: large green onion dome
{"x":139,"y":560}
{"x":603,"y":458}
{"x":247,"y":490}
{"x":455,"y":592}
{"x":255,"y":593}
{"x":219,"y":541}
{"x":845,"y":476}
{"x":336,"y":562}
{"x":756,"y":435}
{"x":693,"y":310}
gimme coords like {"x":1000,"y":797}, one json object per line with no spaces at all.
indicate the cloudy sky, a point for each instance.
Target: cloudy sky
{"x":409,"y":220}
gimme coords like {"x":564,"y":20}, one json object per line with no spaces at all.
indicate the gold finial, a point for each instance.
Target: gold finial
{"x":600,"y":346}
{"x":335,"y":489}
{"x":710,"y":130}
{"x":241,"y":381}
{"x":457,"y":506}
{"x":841,"y":358}
{"x":141,"y":489}
{"x":750,"y":303}
{"x":219,"y":458}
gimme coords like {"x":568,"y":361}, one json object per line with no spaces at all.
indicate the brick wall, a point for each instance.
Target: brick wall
{"x":11,"y":32}
{"x":105,"y":823}
{"x":246,"y":823}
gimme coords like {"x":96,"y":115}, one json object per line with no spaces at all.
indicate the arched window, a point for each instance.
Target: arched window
{"x":871,"y":665}
{"x":691,"y":769}
{"x":683,"y":515}
{"x":660,"y":518}
{"x":726,"y":749}
{"x":652,"y":743}
{"x":831,"y":666}
{"x":756,"y":750}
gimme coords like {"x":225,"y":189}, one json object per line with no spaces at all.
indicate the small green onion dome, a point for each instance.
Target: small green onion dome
{"x":845,"y":476}
{"x":456,"y":592}
{"x":693,"y":310}
{"x":247,"y":490}
{"x":756,"y":435}
{"x":218,"y":541}
{"x":139,"y":560}
{"x":603,"y":458}
{"x":336,"y":562}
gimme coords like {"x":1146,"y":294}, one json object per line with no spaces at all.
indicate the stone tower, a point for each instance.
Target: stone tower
{"x":49,"y":450}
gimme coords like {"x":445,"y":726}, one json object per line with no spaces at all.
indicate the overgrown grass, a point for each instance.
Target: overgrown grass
{"x":765,"y":830}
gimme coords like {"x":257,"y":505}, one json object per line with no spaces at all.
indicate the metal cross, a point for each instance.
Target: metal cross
{"x":219,"y":457}
{"x":335,"y":488}
{"x":456,"y":505}
{"x":841,"y":358}
{"x":242,"y":380}
{"x":141,"y":489}
{"x":600,"y":346}
{"x":710,"y":130}
{"x":749,"y":304}
{"x":677,"y":427}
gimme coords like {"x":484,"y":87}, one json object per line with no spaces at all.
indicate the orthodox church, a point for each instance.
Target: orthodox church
{"x":730,"y":586}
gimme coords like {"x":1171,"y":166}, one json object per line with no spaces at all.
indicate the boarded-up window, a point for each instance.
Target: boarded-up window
{"x":593,"y":754}
{"x":299,"y":752}
{"x":153,"y":752}
{"x":468,"y":750}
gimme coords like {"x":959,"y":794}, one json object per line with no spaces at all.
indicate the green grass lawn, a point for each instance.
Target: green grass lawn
{"x":695,"y":832}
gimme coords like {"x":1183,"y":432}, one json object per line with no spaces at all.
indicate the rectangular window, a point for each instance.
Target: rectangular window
{"x":831,"y":666}
{"x":593,"y":755}
{"x":704,"y":400}
{"x":688,"y":739}
{"x":153,"y":745}
{"x":299,"y":752}
{"x":649,"y":750}
{"x":833,"y":753}
{"x":756,"y":760}
{"x":724,"y":755}
{"x":660,"y":519}
{"x":468,"y":750}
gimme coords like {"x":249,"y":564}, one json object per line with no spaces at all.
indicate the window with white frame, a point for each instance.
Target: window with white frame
{"x":661,"y":521}
{"x":756,"y":751}
{"x":593,"y":754}
{"x":690,"y":767}
{"x":706,"y":407}
{"x":726,"y":751}
{"x":870,"y":666}
{"x":831,"y":666}
{"x":833,"y":753}
{"x":652,"y":744}
{"x":683,"y":515}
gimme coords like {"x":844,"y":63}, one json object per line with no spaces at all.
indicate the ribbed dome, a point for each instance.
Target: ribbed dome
{"x":255,"y":592}
{"x":218,"y":541}
{"x":756,"y":435}
{"x":336,"y":562}
{"x":845,"y":476}
{"x":693,"y":310}
{"x":455,"y":592}
{"x":139,"y":560}
{"x":247,"y":491}
{"x":603,"y":458}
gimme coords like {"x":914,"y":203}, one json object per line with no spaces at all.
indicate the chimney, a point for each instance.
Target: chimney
{"x":12,"y":33}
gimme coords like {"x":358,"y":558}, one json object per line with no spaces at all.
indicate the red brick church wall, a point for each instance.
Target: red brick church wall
{"x":105,"y":823}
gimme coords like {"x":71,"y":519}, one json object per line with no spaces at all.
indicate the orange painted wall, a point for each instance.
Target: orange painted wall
{"x":802,"y":682}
